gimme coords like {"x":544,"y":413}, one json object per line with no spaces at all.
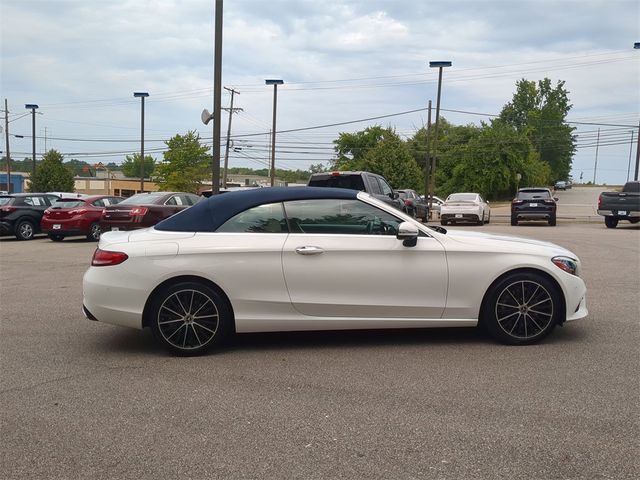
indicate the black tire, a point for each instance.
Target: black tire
{"x":552,"y":221}
{"x":189,"y":318}
{"x":634,"y":220}
{"x":611,"y":222}
{"x":443,"y":222}
{"x":488,"y":219}
{"x":56,"y":237}
{"x":514,"y":221}
{"x":94,"y":232}
{"x":521,"y":308}
{"x":25,"y":230}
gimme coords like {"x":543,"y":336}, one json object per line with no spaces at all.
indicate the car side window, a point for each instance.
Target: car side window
{"x":261,"y":219}
{"x":338,"y":216}
{"x":172,"y":201}
{"x":386,"y":189}
{"x":100,"y":202}
{"x":375,"y":186}
{"x":192,"y":199}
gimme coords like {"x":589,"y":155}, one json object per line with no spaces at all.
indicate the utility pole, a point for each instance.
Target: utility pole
{"x":595,"y":167}
{"x":226,"y":151}
{"x":6,"y":138}
{"x":427,"y":163}
{"x":630,"y":150}
{"x":217,"y":96}
{"x":45,"y":139}
{"x":635,"y":176}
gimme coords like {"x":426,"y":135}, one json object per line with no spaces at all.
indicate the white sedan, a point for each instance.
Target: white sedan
{"x":284,"y":259}
{"x":465,"y":207}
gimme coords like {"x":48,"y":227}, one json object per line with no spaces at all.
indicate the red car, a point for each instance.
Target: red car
{"x":76,"y":216}
{"x":144,"y":210}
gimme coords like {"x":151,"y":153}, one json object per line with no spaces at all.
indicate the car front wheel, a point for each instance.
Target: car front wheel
{"x":189,"y":318}
{"x":521,"y":308}
{"x":25,"y":230}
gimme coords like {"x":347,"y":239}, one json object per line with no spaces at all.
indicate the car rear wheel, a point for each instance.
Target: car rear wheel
{"x":488,"y":218}
{"x":94,"y":232}
{"x":56,"y":237}
{"x":25,"y":230}
{"x":522,"y":308}
{"x":552,"y":221}
{"x":188,"y":318}
{"x":611,"y":222}
{"x":443,"y":222}
{"x":514,"y":221}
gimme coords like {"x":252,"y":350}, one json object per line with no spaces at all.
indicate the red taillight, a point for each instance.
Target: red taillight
{"x":335,"y":174}
{"x":599,"y":201}
{"x":407,"y":203}
{"x":517,"y":202}
{"x":549,"y":202}
{"x":80,"y":211}
{"x":8,"y":209}
{"x":139,"y":211}
{"x":103,"y":258}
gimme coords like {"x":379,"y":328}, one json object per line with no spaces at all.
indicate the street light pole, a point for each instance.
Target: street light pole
{"x":6,"y":130}
{"x":439,"y":65}
{"x":33,"y":107}
{"x":142,"y":96}
{"x":275,"y":84}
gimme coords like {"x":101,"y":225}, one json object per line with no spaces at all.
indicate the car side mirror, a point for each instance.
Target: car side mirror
{"x":556,"y":199}
{"x":408,"y":233}
{"x":394,"y":195}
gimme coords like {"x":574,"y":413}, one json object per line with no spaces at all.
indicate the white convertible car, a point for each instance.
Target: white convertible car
{"x":283,"y":259}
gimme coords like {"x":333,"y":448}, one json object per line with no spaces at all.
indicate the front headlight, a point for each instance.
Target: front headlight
{"x":567,"y":264}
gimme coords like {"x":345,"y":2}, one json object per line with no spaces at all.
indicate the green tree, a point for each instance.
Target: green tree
{"x":490,"y":163}
{"x":391,"y":159}
{"x":51,"y":175}
{"x":378,"y":150}
{"x":186,"y":164}
{"x":351,"y":148}
{"x":539,"y":110}
{"x":131,"y":166}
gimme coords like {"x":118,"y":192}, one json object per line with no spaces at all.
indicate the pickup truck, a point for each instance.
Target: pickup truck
{"x":616,"y":206}
{"x":371,"y":183}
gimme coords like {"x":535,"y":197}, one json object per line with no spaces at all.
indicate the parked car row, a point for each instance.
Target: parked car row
{"x":60,"y":214}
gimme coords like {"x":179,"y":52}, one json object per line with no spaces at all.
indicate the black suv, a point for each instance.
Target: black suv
{"x":372,"y":183}
{"x":20,"y":213}
{"x":534,"y":204}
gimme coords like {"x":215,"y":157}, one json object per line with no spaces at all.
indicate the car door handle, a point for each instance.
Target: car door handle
{"x":309,"y":250}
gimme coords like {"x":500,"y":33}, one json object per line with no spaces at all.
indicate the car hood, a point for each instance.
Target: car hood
{"x":507,"y":243}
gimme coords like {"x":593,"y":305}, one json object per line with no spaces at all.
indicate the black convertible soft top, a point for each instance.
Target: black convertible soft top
{"x":209,"y":214}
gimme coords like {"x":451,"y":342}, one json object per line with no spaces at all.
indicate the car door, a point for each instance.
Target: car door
{"x":342,"y":259}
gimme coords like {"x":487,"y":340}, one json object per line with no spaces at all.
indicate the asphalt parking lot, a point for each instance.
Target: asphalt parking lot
{"x":87,"y":400}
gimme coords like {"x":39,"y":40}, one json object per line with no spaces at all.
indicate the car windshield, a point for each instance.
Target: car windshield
{"x":67,"y":203}
{"x":531,"y":194}
{"x":5,"y":200}
{"x":143,"y":198}
{"x":456,"y":197}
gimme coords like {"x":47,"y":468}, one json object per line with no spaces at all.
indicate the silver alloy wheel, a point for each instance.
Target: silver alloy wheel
{"x":188,"y":319}
{"x":94,"y":234}
{"x":25,"y":230}
{"x":524,"y":309}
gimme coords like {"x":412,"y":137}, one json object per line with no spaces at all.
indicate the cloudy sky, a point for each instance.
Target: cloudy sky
{"x":342,"y":61}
